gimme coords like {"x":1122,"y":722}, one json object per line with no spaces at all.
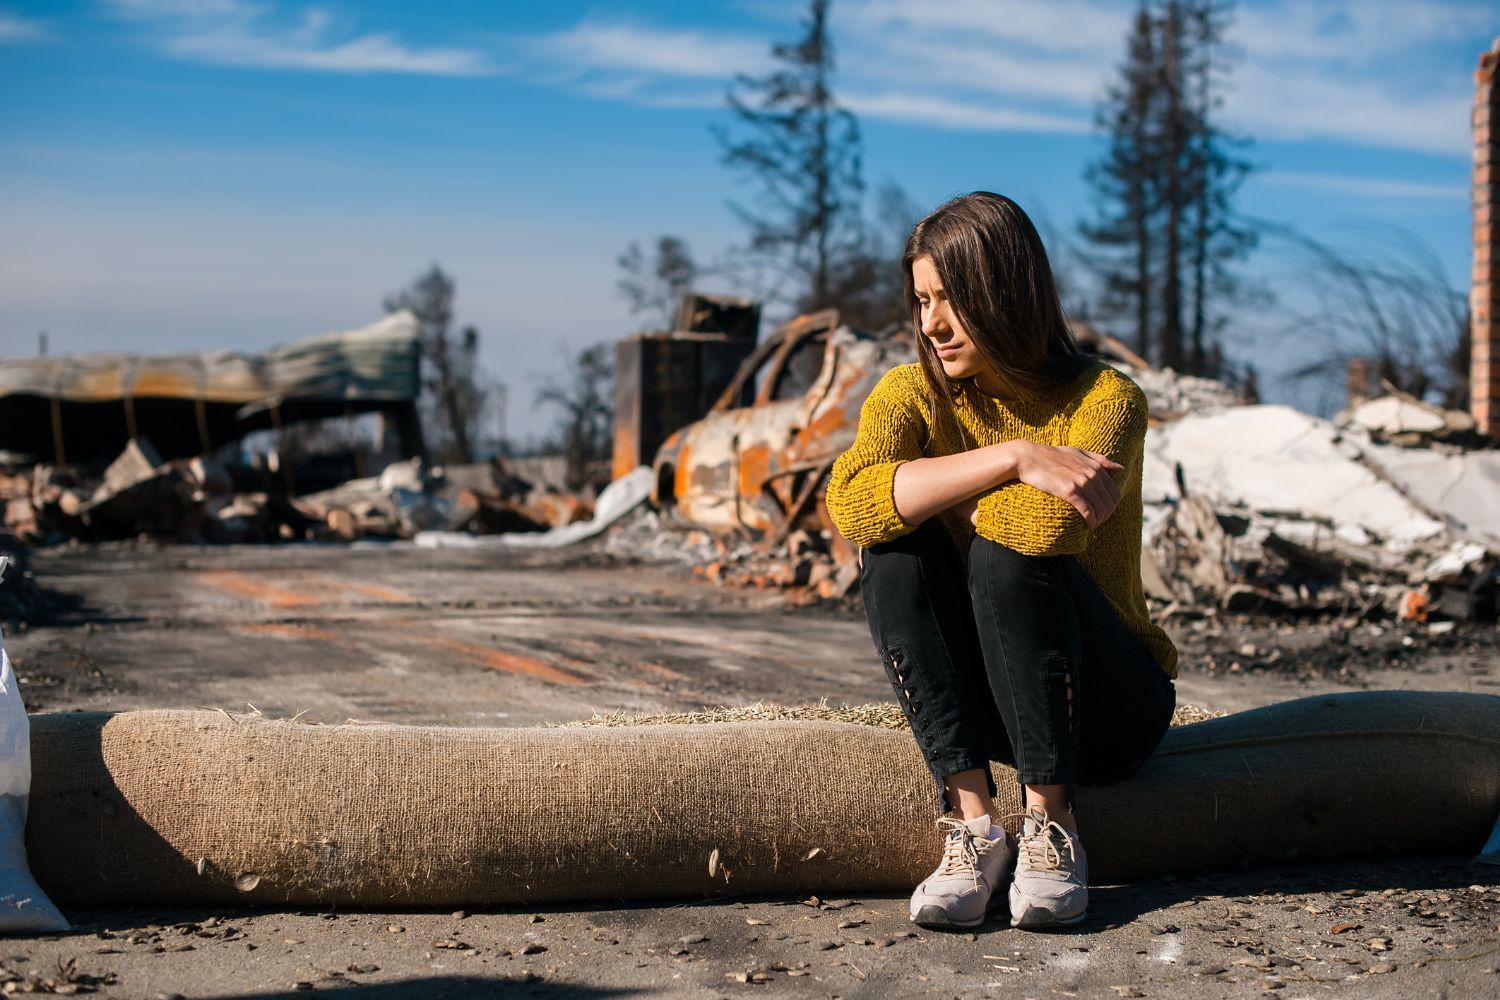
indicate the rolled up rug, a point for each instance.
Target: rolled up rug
{"x":201,"y":807}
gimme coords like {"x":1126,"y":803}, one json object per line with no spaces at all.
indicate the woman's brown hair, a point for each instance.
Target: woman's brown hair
{"x":997,"y":280}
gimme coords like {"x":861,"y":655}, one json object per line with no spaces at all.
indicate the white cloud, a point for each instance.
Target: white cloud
{"x":248,"y":34}
{"x":1363,"y":187}
{"x":1356,"y":32}
{"x":941,"y":112}
{"x":620,"y":46}
{"x":1296,"y":104}
{"x":19,"y":29}
{"x":1048,"y":26}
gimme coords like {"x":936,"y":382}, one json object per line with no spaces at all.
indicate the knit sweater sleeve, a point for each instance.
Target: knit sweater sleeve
{"x":1035,"y":523}
{"x":892,"y":427}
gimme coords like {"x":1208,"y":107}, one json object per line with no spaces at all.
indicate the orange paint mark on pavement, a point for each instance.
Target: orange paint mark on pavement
{"x":375,"y":590}
{"x":511,"y":663}
{"x":664,"y":672}
{"x":247,"y":586}
{"x":294,"y":631}
{"x":380,"y":593}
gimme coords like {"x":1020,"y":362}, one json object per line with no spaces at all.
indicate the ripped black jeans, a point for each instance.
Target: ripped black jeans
{"x":1023,"y":662}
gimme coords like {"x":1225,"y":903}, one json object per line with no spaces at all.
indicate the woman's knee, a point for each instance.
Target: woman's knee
{"x":901,"y":565}
{"x":1001,"y":570}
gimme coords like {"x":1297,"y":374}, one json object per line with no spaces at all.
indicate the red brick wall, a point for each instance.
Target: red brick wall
{"x":1484,"y":292}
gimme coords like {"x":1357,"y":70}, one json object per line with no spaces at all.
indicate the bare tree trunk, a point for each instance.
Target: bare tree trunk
{"x":1171,"y":332}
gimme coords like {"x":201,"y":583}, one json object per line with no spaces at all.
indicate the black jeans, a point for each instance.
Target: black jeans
{"x":1024,"y":662}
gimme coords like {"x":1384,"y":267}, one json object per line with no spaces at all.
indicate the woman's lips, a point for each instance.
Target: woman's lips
{"x":948,"y":352}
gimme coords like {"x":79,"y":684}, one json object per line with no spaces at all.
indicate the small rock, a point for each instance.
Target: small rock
{"x":1381,"y":968}
{"x":692,"y":939}
{"x":459,"y":914}
{"x":536,"y":918}
{"x":757,"y":922}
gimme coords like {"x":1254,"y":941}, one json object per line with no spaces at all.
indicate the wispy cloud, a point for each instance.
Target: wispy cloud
{"x":19,"y":29}
{"x":1363,"y":187}
{"x":1366,"y":72}
{"x":254,"y":35}
{"x":620,"y":46}
{"x":945,"y":113}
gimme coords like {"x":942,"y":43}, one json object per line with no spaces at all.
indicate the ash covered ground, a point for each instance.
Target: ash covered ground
{"x":395,"y":633}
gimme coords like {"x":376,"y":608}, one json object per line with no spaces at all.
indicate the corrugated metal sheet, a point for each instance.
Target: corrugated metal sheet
{"x":375,"y":363}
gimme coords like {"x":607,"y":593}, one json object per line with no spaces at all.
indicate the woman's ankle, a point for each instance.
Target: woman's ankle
{"x":1054,"y":801}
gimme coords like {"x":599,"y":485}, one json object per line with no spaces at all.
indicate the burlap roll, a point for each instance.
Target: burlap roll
{"x":169,"y":807}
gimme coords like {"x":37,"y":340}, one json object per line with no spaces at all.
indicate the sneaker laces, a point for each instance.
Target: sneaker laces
{"x":1038,"y":851}
{"x":959,"y":855}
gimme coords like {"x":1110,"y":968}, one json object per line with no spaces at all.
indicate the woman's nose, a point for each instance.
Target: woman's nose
{"x":932,"y":325}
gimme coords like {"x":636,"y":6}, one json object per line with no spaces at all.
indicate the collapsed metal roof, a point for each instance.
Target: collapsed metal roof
{"x":84,"y":407}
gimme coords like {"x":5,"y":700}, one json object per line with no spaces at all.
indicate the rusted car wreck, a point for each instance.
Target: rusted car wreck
{"x":761,"y":468}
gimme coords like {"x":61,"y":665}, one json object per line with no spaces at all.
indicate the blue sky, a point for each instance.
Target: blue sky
{"x":196,"y":174}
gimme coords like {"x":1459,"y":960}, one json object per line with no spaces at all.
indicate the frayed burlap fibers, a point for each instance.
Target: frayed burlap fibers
{"x":199,"y":807}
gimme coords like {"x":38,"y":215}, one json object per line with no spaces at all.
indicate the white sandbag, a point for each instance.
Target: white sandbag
{"x":23,"y":906}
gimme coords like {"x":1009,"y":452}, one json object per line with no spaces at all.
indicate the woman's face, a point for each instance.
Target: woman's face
{"x":955,"y":350}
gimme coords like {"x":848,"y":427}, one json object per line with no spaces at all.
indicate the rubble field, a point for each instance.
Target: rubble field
{"x":396,"y":632}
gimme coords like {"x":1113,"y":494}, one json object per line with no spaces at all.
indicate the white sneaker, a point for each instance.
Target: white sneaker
{"x":1051,"y":884}
{"x":969,"y":881}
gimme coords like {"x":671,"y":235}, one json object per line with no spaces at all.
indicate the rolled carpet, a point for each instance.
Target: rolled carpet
{"x":200,"y":807}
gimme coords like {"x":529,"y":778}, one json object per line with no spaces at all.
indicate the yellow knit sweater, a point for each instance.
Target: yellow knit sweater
{"x":1101,"y":410}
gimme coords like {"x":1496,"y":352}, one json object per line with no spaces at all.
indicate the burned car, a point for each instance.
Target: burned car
{"x":759,"y":460}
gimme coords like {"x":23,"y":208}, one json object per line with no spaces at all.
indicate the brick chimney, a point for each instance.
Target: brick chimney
{"x":1484,"y":293}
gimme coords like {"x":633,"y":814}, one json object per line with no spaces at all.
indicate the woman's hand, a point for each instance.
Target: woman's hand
{"x":1082,"y":478}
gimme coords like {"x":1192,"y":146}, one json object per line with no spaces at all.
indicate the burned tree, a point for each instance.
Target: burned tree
{"x":654,"y":285}
{"x":804,"y":151}
{"x":583,"y":433}
{"x":1165,"y":234}
{"x":452,"y":397}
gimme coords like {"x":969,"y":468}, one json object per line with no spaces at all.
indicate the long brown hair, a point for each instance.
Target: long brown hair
{"x":997,"y":280}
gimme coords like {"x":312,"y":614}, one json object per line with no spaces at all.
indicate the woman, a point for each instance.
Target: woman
{"x":995,"y":491}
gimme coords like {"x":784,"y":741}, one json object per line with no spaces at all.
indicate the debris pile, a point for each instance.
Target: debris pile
{"x":201,"y":500}
{"x":1263,"y":508}
{"x":407,"y":499}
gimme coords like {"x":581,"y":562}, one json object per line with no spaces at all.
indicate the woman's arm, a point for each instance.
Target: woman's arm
{"x":1028,"y":516}
{"x":892,"y":427}
{"x":928,"y":486}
